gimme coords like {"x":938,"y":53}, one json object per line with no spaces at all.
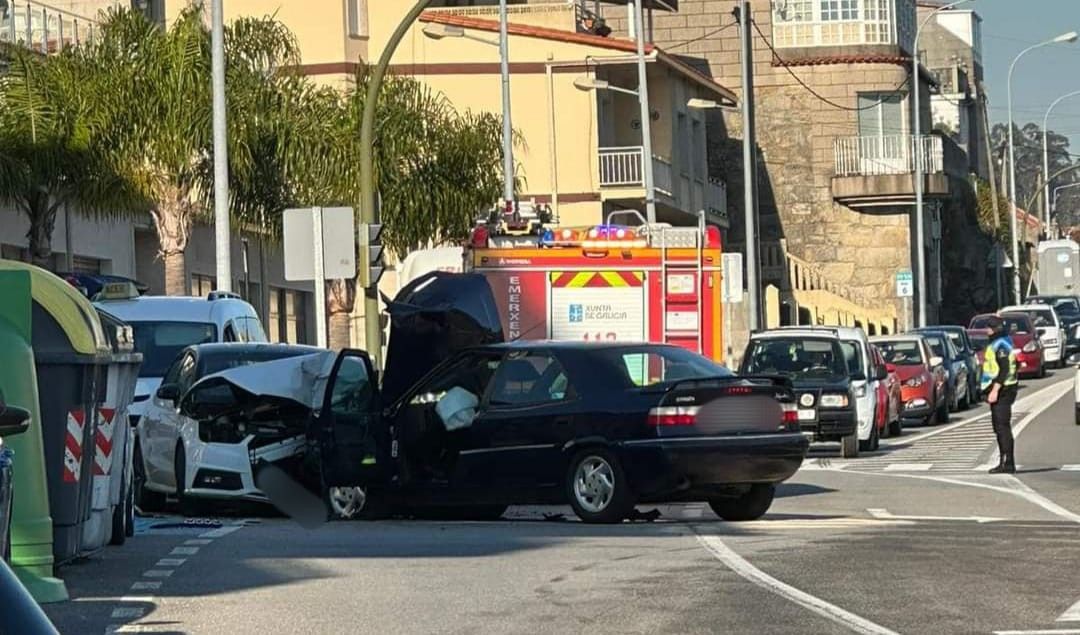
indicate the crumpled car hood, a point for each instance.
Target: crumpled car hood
{"x":301,"y":380}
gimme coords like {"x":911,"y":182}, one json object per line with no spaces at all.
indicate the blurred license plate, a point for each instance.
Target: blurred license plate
{"x":806,"y":415}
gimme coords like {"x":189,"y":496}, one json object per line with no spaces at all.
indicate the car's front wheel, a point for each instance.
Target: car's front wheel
{"x":597,"y":487}
{"x":849,"y":445}
{"x":871,"y":444}
{"x":896,"y":427}
{"x":189,"y":506}
{"x":749,"y":506}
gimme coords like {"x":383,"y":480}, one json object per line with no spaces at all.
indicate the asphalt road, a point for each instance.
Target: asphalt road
{"x":915,"y":538}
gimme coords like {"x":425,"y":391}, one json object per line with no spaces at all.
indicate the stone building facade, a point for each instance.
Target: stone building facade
{"x":834,"y":127}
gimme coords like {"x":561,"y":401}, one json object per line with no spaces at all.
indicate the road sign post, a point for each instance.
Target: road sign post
{"x":731,"y":292}
{"x":319,"y":246}
{"x":905,"y":288}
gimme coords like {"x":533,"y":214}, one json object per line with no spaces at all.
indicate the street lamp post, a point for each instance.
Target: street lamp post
{"x":222,"y":246}
{"x":917,"y":150}
{"x":440,"y":31}
{"x":1061,"y":39}
{"x":1046,"y":154}
{"x":646,"y":115}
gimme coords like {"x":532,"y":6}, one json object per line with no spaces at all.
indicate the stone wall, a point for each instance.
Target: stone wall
{"x":796,"y":133}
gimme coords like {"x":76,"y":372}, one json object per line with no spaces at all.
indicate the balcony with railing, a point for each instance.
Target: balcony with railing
{"x":879,"y":170}
{"x":42,"y":27}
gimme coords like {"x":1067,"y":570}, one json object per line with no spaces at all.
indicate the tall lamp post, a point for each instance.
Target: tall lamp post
{"x":1057,"y":189}
{"x":917,"y":148}
{"x":1046,"y":155}
{"x":1069,"y":37}
{"x":222,"y":245}
{"x":438,"y":31}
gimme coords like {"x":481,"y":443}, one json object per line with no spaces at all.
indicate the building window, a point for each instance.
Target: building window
{"x":358,"y":18}
{"x":802,"y":23}
{"x":288,"y":316}
{"x":202,"y":285}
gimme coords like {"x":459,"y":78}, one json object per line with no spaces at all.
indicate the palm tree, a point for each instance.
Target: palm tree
{"x":153,"y":89}
{"x":51,"y":154}
{"x":436,"y":169}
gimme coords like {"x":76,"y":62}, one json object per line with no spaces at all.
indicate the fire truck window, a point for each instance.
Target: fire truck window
{"x":529,"y":380}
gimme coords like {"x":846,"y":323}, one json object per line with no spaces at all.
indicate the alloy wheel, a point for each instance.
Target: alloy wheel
{"x":594,"y":484}
{"x":347,"y":502}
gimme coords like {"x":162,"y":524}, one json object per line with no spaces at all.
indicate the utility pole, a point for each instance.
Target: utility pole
{"x":222,"y":255}
{"x":750,"y":210}
{"x":508,"y":130}
{"x":646,"y":115}
{"x":984,"y":113}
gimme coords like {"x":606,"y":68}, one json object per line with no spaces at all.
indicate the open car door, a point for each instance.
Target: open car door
{"x":352,"y":441}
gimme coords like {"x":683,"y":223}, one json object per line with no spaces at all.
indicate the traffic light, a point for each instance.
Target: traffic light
{"x":371,"y":252}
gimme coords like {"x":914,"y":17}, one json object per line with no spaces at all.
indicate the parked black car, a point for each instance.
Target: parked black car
{"x":12,"y":421}
{"x":966,"y":349}
{"x":602,"y":427}
{"x":815,"y":363}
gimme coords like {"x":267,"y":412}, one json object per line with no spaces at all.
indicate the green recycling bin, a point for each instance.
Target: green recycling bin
{"x":31,"y":524}
{"x":71,"y":355}
{"x":112,"y":502}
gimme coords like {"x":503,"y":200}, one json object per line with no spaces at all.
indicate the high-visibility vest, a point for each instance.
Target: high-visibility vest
{"x":990,"y":366}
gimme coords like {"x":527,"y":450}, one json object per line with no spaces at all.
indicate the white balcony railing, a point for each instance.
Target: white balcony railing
{"x":621,"y":167}
{"x":894,"y":154}
{"x":44,"y":28}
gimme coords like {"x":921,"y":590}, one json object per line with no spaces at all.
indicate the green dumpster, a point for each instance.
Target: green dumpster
{"x":31,"y":524}
{"x":71,"y":356}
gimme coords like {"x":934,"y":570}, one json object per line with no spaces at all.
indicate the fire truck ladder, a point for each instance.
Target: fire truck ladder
{"x":682,"y":238}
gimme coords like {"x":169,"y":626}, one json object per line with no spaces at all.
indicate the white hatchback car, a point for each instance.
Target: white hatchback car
{"x":164,"y":325}
{"x":212,"y":458}
{"x":1048,"y":325}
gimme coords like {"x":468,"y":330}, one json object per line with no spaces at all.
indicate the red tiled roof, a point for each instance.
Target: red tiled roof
{"x":899,"y":60}
{"x":570,"y":37}
{"x":480,"y":24}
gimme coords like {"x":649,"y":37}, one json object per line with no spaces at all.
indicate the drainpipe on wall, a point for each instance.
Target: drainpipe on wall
{"x":69,"y":257}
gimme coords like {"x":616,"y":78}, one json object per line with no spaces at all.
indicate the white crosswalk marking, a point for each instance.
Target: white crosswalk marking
{"x":956,"y":450}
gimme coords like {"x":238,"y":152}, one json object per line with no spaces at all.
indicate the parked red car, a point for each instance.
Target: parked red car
{"x":890,"y":400}
{"x":1025,"y":339}
{"x":923,"y":387}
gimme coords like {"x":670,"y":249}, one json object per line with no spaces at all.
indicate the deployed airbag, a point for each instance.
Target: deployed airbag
{"x":457,"y":408}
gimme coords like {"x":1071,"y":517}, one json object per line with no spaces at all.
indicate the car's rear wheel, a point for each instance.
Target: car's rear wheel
{"x":597,"y":487}
{"x":942,"y":414}
{"x":896,"y":427}
{"x":749,"y":506}
{"x":849,"y":445}
{"x":147,"y":500}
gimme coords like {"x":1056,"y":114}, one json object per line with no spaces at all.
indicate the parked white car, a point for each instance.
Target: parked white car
{"x":1048,"y":325}
{"x":176,"y":454}
{"x":165,"y":325}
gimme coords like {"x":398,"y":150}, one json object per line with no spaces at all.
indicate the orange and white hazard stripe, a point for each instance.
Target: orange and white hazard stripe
{"x":73,"y":446}
{"x":594,"y":279}
{"x":103,"y":442}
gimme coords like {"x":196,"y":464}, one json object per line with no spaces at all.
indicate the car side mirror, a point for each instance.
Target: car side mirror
{"x":13,"y":420}
{"x":168,"y":392}
{"x":936,"y":361}
{"x":1074,"y":359}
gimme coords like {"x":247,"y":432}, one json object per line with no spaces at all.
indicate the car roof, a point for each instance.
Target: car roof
{"x":571,"y":345}
{"x":825,"y":334}
{"x":1021,"y":308}
{"x":151,"y":308}
{"x":844,"y":332}
{"x":901,"y":337}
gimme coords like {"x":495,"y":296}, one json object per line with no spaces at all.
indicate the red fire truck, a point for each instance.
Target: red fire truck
{"x":608,"y":282}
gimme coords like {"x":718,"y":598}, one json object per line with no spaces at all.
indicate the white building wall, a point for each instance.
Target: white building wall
{"x":110,"y":241}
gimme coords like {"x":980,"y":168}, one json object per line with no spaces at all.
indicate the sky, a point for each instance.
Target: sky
{"x":1041,"y":76}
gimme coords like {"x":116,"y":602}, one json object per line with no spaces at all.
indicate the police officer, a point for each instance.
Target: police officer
{"x":999,"y":382}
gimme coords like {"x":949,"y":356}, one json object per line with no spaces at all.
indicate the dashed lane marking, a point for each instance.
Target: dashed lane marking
{"x":127,"y":613}
{"x":170,"y":562}
{"x":157,"y":573}
{"x":146,"y":586}
{"x":908,"y":467}
{"x":197,"y":542}
{"x":1070,"y":468}
{"x":184,"y":551}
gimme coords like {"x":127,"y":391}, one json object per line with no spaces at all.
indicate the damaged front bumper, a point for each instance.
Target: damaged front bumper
{"x":227,"y":470}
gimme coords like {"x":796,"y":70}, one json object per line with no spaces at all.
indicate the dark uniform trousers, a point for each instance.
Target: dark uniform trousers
{"x":1001,"y":416}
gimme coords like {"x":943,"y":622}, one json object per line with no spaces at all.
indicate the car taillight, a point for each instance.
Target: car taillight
{"x":673,"y":416}
{"x":790,"y":417}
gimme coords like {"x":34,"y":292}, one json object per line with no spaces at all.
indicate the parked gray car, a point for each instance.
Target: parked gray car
{"x":12,"y":421}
